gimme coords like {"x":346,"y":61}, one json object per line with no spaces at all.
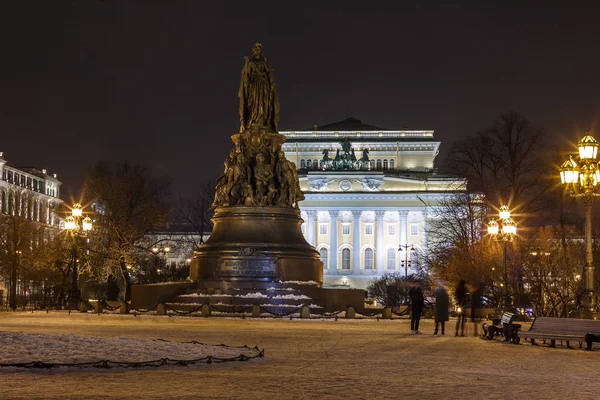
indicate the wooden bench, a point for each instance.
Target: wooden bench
{"x":567,"y":329}
{"x":504,"y":326}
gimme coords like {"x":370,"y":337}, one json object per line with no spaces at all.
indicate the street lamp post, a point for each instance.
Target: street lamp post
{"x":166,"y":249}
{"x":13,"y":280}
{"x":581,"y":176}
{"x":77,"y":226}
{"x":503,"y":230}
{"x":406,"y":250}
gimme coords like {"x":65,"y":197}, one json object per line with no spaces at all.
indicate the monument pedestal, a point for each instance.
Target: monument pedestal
{"x":257,"y":244}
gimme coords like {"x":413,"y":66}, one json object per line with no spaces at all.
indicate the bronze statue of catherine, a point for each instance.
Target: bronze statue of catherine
{"x":259,"y":104}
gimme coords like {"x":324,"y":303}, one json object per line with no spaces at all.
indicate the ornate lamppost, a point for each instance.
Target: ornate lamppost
{"x":581,"y":175}
{"x":406,"y":250}
{"x":77,"y":227}
{"x":503,"y":230}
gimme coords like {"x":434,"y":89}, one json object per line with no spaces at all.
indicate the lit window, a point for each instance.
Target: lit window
{"x":391,"y":230}
{"x":391,"y":259}
{"x":369,"y":229}
{"x":324,"y":253}
{"x":346,"y":259}
{"x":369,"y":259}
{"x":346,"y":229}
{"x":323,"y":229}
{"x":414,"y":229}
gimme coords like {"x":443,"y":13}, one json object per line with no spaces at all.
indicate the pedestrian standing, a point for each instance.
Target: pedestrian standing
{"x":442,"y":303}
{"x":416,"y":307}
{"x":461,"y":295}
{"x":476,"y":304}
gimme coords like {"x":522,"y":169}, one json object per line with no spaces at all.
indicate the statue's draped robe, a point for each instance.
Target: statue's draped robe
{"x":258,"y":98}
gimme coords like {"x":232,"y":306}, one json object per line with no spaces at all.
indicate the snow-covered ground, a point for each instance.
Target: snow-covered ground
{"x":303,"y":359}
{"x":20,"y":349}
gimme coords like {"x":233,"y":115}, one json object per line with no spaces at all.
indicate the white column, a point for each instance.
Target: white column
{"x":403,"y":226}
{"x":424,"y":236}
{"x":310,"y":227}
{"x":379,"y":251}
{"x":333,"y":254}
{"x":356,"y":243}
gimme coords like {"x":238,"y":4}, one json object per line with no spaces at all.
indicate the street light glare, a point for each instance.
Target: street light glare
{"x":70,"y":223}
{"x":77,"y":210}
{"x":588,"y":148}
{"x":504,"y":212}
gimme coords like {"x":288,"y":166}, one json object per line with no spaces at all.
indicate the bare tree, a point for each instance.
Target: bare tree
{"x":506,"y":163}
{"x":129,"y":203}
{"x":457,"y":247}
{"x":197,"y":212}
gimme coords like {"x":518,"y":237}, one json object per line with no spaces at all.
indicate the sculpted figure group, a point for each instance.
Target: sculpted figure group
{"x":264,"y":178}
{"x":257,"y":172}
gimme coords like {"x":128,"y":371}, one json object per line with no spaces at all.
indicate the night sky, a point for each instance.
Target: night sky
{"x":155,"y":82}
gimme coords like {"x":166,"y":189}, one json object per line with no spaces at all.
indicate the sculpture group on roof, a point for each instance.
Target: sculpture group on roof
{"x":347,"y":160}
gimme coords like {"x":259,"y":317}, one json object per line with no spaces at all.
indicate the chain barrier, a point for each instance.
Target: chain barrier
{"x":333,"y":313}
{"x":245,"y":309}
{"x":152,"y":363}
{"x":108,"y":307}
{"x":144,"y":311}
{"x":179,"y":312}
{"x":281,"y":315}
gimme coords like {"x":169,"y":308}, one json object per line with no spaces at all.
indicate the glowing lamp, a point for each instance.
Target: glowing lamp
{"x":509,"y":227}
{"x":87,"y":224}
{"x":70,"y":223}
{"x":493,"y":227}
{"x":569,"y":171}
{"x":504,"y":212}
{"x":77,"y":210}
{"x":588,"y":148}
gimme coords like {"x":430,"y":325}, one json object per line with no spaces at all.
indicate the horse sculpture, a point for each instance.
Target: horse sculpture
{"x":337,"y":160}
{"x":363,"y":162}
{"x":326,"y":162}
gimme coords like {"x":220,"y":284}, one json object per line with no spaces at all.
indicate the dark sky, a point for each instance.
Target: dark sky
{"x":155,"y":82}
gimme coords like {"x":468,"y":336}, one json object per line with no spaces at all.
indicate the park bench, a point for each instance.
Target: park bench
{"x":504,"y":326}
{"x":563,"y":329}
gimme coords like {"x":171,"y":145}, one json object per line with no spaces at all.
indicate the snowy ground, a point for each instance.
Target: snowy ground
{"x":303,"y":359}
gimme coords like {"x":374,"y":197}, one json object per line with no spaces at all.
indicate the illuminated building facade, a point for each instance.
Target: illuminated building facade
{"x":368,"y":191}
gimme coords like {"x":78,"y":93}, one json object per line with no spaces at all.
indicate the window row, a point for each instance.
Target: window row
{"x":23,"y":180}
{"x":377,"y":164}
{"x":391,"y":231}
{"x":368,"y":256}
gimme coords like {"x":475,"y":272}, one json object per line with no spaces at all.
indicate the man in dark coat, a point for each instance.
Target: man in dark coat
{"x":442,"y":303}
{"x":461,"y":295}
{"x":416,"y":307}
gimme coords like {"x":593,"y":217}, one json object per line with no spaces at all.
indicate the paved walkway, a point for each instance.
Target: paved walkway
{"x":309,"y":359}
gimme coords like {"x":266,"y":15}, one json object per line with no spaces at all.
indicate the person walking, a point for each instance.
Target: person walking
{"x":461,"y":295}
{"x":416,"y":307}
{"x":442,"y":303}
{"x":476,"y":304}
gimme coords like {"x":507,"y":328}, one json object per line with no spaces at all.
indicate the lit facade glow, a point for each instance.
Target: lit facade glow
{"x":358,"y":217}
